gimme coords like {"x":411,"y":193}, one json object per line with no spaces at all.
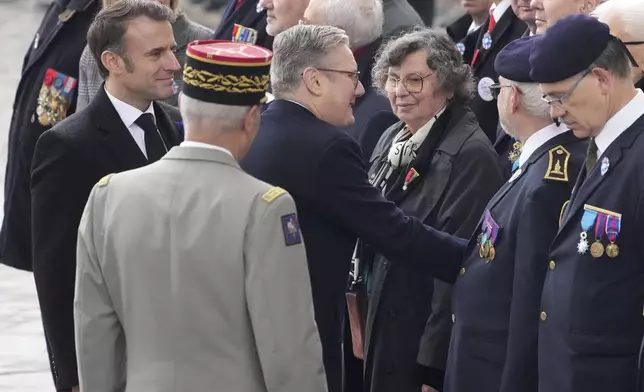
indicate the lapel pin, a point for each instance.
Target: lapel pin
{"x":605,"y":165}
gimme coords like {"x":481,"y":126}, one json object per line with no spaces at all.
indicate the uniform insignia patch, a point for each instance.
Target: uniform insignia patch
{"x":104,"y":181}
{"x":558,"y":158}
{"x":291,"y":229}
{"x":244,"y":34}
{"x":55,"y":97}
{"x":273,"y":194}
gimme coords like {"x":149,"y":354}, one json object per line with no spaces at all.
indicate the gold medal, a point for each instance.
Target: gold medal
{"x":612,"y":250}
{"x":484,"y":251}
{"x":597,"y":249}
{"x":491,"y":254}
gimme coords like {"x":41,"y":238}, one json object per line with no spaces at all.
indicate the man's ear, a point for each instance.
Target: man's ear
{"x":515,"y":100}
{"x":112,"y":62}
{"x":251,"y":120}
{"x":311,"y":78}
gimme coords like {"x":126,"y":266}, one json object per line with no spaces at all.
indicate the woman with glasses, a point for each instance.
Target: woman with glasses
{"x":625,"y":19}
{"x":436,"y":164}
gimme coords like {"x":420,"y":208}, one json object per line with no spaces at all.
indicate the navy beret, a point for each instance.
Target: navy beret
{"x":567,"y":48}
{"x":513,"y":61}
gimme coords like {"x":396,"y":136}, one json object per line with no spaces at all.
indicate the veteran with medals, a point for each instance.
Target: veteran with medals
{"x":591,"y":312}
{"x":496,"y":297}
{"x":191,"y":271}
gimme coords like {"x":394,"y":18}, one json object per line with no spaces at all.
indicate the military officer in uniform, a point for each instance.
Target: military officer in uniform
{"x":494,"y":339}
{"x":591,"y":319}
{"x":216,"y":294}
{"x":39,"y":104}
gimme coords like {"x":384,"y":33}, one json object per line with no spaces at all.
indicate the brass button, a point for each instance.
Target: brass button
{"x":462,"y":271}
{"x":544,"y":316}
{"x":552,"y":264}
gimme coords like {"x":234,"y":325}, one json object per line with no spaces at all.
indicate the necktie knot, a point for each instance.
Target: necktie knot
{"x":146,"y":122}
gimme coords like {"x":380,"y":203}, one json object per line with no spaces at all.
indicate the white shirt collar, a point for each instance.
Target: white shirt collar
{"x":499,"y":10}
{"x":537,"y":140}
{"x":617,"y":124}
{"x":128,"y":113}
{"x":473,"y":27}
{"x":190,"y":143}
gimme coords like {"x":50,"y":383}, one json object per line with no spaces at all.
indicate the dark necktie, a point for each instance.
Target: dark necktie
{"x":154,"y":146}
{"x":591,"y":156}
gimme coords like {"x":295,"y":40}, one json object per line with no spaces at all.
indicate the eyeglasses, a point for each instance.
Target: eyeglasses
{"x":413,"y":83}
{"x":354,"y":75}
{"x":559,"y":102}
{"x":495,"y":89}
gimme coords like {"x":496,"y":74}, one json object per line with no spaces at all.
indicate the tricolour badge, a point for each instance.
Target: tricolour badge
{"x":605,"y":165}
{"x":244,"y":34}
{"x":461,"y":48}
{"x":558,"y":158}
{"x":291,"y":229}
{"x":487,"y":41}
{"x":55,"y":97}
{"x":411,"y":176}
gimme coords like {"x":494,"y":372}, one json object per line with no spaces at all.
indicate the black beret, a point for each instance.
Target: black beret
{"x":513,"y":61}
{"x":228,"y":73}
{"x":567,"y":48}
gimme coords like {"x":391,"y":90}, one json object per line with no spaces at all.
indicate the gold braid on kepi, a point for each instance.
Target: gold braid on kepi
{"x":226,"y":72}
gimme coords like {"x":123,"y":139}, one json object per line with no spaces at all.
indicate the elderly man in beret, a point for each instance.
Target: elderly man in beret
{"x":591,"y":311}
{"x":191,"y":271}
{"x":494,"y":340}
{"x":626,"y":21}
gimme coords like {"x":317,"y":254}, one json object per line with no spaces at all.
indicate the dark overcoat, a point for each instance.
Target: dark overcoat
{"x":57,"y":45}
{"x":69,"y":159}
{"x":449,"y":195}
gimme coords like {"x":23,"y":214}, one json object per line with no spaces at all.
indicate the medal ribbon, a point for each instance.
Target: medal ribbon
{"x":600,"y":225}
{"x":613,"y":226}
{"x":494,"y":231}
{"x":588,"y":219}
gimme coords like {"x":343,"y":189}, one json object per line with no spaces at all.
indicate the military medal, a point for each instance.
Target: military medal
{"x":515,"y":153}
{"x":597,"y":248}
{"x":613,"y":226}
{"x":412,"y":174}
{"x":490,"y":232}
{"x":244,"y":34}
{"x":587,"y":221}
{"x":491,"y":253}
{"x":487,"y":41}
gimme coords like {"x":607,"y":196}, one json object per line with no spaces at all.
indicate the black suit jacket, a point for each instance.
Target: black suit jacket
{"x":507,"y":29}
{"x":247,"y":16}
{"x":322,"y":168}
{"x":591,"y":323}
{"x":57,"y":45}
{"x":68,"y":160}
{"x":496,"y":303}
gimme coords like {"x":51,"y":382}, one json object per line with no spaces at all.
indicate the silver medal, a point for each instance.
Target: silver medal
{"x":582,"y":245}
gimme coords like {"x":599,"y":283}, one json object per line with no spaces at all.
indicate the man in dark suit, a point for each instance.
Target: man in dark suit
{"x":494,"y":339}
{"x":57,"y":46}
{"x":300,"y":149}
{"x":122,"y":128}
{"x":501,"y":28}
{"x":591,"y":323}
{"x":248,"y":14}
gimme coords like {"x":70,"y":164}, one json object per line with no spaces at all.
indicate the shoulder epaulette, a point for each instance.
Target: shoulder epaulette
{"x":558,"y":158}
{"x":104,"y":181}
{"x":273,"y":194}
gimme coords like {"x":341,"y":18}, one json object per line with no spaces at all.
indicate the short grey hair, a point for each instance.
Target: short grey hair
{"x":531,"y":100}
{"x":300,"y":47}
{"x":629,"y":12}
{"x":614,"y":60}
{"x":454,"y":78}
{"x":197,"y":113}
{"x":342,"y":14}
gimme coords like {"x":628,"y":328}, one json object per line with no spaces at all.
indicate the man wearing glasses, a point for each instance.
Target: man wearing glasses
{"x":300,"y":148}
{"x":496,"y":298}
{"x":591,"y":322}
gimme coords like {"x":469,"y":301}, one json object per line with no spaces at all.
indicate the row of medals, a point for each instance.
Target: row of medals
{"x":597,"y":248}
{"x":486,"y":251}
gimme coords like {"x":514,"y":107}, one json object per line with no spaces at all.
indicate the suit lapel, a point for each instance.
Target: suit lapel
{"x":614,"y":153}
{"x":167,"y":128}
{"x":117,"y":138}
